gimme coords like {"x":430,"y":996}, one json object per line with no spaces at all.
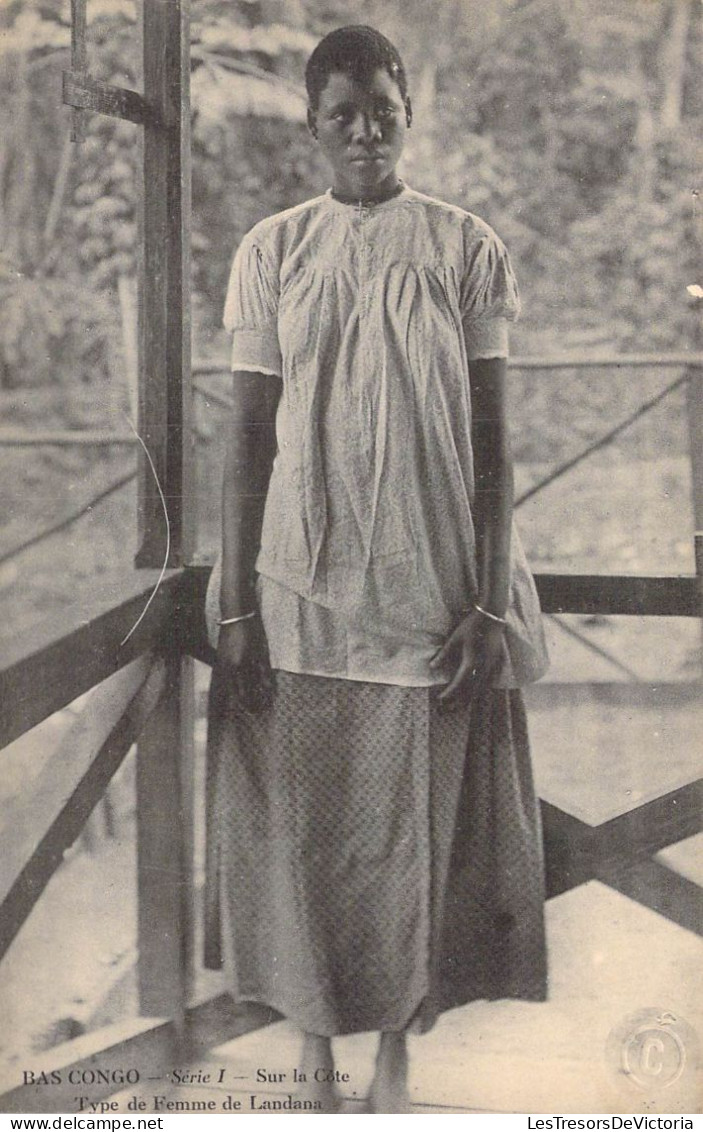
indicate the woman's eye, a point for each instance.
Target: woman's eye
{"x":380,"y":114}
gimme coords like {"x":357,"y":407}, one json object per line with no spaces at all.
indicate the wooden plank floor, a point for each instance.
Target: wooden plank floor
{"x":598,"y":751}
{"x":609,"y":959}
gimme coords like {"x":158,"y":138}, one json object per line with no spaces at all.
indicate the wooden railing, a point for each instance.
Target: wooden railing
{"x":141,"y":690}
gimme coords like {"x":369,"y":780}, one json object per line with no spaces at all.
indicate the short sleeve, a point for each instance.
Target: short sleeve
{"x":489,"y":297}
{"x":251,"y":311}
{"x":486,"y":337}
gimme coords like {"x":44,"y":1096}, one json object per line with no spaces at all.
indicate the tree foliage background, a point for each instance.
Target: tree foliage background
{"x":570,"y":125}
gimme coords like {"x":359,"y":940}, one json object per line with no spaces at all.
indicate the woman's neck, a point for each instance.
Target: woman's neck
{"x":387,"y":193}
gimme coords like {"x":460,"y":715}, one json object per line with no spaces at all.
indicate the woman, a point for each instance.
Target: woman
{"x":374,"y":840}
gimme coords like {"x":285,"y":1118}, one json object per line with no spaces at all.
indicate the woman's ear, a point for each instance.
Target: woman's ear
{"x":408,"y":111}
{"x":312,"y":122}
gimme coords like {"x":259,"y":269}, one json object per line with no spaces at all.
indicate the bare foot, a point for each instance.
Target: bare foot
{"x":389,"y":1088}
{"x":317,"y":1064}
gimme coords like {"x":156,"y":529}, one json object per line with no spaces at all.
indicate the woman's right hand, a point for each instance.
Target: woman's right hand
{"x":243,"y":670}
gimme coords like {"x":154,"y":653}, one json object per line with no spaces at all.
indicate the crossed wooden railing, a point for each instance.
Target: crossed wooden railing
{"x":140,"y":690}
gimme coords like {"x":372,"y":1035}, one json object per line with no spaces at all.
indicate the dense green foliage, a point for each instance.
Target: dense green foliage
{"x":568,"y":124}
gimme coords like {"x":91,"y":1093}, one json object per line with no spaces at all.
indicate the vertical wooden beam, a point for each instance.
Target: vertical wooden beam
{"x":695,"y":436}
{"x":165,"y":393}
{"x":79,"y":60}
{"x":165,"y":755}
{"x":188,"y":796}
{"x":164,"y":858}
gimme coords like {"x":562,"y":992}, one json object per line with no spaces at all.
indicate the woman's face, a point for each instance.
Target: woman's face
{"x":361,"y":129}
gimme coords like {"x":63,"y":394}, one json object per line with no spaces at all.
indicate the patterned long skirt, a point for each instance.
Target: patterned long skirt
{"x":373,"y":858}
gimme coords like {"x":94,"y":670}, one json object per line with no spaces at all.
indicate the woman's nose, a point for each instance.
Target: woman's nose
{"x":366,"y":128}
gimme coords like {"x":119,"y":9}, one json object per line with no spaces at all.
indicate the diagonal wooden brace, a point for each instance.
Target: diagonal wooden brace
{"x":85,"y":93}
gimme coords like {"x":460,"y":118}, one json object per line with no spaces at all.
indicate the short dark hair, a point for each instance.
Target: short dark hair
{"x":358,"y":51}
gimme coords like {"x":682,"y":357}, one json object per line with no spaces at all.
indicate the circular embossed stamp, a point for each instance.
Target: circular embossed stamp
{"x":653,"y":1049}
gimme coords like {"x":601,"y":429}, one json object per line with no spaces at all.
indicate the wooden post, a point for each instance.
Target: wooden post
{"x":79,"y":60}
{"x":165,"y":756}
{"x":164,"y":868}
{"x":695,"y":435}
{"x":165,"y":387}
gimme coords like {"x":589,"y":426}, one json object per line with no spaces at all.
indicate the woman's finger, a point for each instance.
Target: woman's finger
{"x":447,"y":651}
{"x":440,"y":657}
{"x":252,"y":689}
{"x":261,"y":687}
{"x":462,"y":680}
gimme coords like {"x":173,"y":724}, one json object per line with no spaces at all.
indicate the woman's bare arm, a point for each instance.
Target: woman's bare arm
{"x":476,"y":645}
{"x":251,"y":447}
{"x":493,"y":468}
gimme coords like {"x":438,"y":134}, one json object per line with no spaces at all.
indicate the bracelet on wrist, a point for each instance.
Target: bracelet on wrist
{"x":234,"y":620}
{"x":491,"y":616}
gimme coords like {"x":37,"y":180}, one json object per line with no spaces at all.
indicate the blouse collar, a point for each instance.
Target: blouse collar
{"x":399,"y":194}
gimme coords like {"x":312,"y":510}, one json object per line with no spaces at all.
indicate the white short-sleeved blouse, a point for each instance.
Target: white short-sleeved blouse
{"x":370,"y":316}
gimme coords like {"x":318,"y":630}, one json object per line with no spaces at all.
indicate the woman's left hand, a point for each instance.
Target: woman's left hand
{"x":472,"y":653}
